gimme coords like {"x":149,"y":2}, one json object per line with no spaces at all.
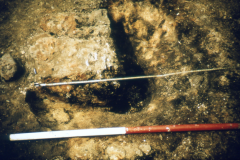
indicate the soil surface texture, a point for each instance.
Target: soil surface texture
{"x":53,"y":41}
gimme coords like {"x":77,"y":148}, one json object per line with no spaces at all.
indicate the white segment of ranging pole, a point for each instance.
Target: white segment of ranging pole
{"x":68,"y":133}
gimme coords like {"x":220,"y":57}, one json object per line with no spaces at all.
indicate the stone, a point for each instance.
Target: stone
{"x":115,"y":153}
{"x":132,"y":150}
{"x":82,"y":148}
{"x":8,"y":66}
{"x":145,"y":148}
{"x":70,"y":50}
{"x":59,"y":24}
{"x":57,"y":158}
{"x":67,"y":57}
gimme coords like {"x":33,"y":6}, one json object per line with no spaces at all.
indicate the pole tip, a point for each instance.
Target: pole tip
{"x":36,"y":84}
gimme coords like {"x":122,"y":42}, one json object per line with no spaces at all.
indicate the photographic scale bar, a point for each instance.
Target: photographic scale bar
{"x":119,"y":131}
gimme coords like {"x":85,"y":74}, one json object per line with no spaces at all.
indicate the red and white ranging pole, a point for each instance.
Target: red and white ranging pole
{"x":120,"y":130}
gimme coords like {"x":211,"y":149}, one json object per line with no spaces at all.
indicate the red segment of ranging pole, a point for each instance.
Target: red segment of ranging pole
{"x":121,"y":130}
{"x":182,"y":128}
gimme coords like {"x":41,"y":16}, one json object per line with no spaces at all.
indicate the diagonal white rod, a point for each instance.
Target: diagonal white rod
{"x":125,"y":78}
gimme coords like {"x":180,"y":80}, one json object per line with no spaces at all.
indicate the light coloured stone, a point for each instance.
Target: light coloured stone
{"x":83,"y":149}
{"x":67,"y":57}
{"x":145,"y":148}
{"x":115,"y":153}
{"x":132,"y":150}
{"x":8,"y":67}
{"x":82,"y":46}
{"x":59,"y":24}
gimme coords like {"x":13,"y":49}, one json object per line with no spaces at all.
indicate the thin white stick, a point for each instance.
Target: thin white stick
{"x":125,"y":78}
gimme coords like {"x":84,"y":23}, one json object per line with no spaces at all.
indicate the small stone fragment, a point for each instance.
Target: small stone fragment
{"x":115,"y":153}
{"x":146,"y":148}
{"x":57,"y":158}
{"x":8,"y":66}
{"x":59,"y":24}
{"x":139,"y":153}
{"x":83,"y":149}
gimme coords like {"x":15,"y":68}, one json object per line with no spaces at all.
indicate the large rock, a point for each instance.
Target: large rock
{"x":80,"y":47}
{"x":8,"y":66}
{"x":67,"y":57}
{"x":70,"y":54}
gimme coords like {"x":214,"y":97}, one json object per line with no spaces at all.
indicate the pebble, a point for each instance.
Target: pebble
{"x":115,"y":153}
{"x":8,"y":66}
{"x":145,"y":148}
